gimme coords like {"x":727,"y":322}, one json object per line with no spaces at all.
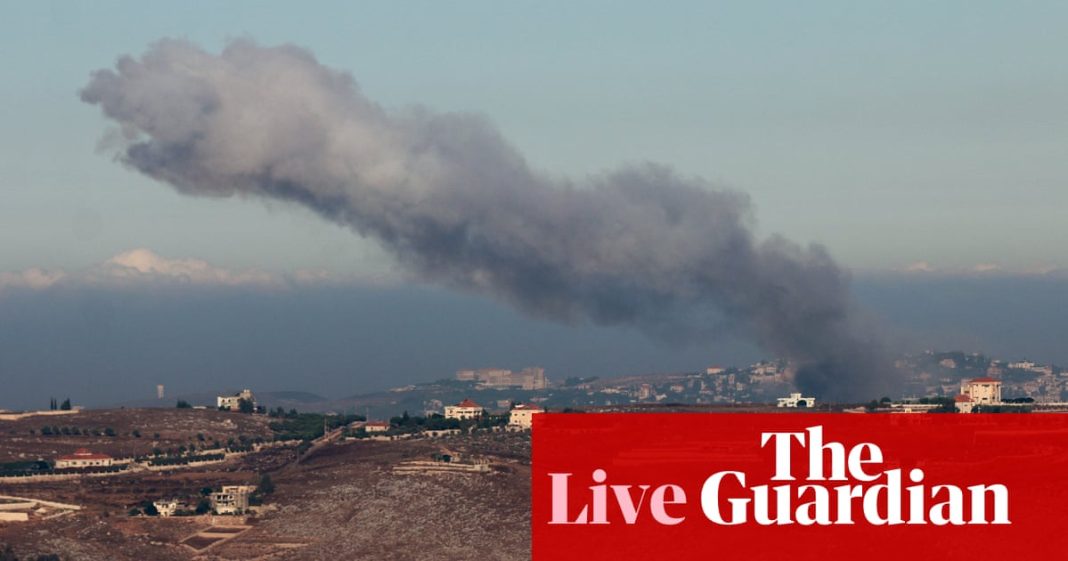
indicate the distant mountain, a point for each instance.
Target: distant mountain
{"x":289,"y":396}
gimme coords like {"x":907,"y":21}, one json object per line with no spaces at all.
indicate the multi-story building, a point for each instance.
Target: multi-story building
{"x":466,"y":409}
{"x":233,"y":402}
{"x":522,"y":415}
{"x":232,"y":499}
{"x":982,"y":391}
{"x":532,"y":378}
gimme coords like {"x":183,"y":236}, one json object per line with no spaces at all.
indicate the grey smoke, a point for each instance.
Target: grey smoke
{"x":457,"y":205}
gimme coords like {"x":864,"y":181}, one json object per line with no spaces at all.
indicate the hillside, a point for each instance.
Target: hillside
{"x":123,"y":432}
{"x":340,"y":500}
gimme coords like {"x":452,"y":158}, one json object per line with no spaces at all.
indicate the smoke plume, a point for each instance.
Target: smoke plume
{"x":457,"y":205}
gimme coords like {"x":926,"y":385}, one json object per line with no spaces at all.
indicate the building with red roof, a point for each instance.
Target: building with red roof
{"x":976,"y":392}
{"x":983,"y":391}
{"x":963,"y":403}
{"x":82,"y":458}
{"x":466,"y":409}
{"x":522,"y":415}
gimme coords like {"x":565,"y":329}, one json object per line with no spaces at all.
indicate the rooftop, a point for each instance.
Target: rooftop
{"x":84,"y":454}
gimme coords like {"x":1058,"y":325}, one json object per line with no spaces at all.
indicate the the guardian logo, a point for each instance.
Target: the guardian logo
{"x":866,"y":493}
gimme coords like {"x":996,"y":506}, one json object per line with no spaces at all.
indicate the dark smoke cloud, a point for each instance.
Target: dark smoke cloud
{"x":457,"y":205}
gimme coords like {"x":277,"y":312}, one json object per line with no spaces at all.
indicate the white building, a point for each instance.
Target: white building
{"x":982,"y":391}
{"x":796,"y":400}
{"x":233,"y":402}
{"x":522,"y":416}
{"x":166,"y":508}
{"x":232,"y":499}
{"x":963,"y":404}
{"x":83,"y":458}
{"x":466,"y":409}
{"x":371,"y":426}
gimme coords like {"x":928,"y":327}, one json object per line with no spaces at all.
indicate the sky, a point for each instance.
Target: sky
{"x":909,"y":138}
{"x":893,"y":133}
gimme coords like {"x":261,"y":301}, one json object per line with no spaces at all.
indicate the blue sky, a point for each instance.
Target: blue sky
{"x":891,"y":132}
{"x":898,"y":134}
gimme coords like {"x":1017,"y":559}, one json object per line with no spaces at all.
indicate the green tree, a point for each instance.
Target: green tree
{"x":203,"y":507}
{"x":66,"y":405}
{"x":183,"y":404}
{"x":245,"y":406}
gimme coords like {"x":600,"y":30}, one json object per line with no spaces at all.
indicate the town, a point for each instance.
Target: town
{"x":933,"y":381}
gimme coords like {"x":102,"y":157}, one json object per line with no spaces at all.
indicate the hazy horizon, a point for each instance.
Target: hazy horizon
{"x":338,"y":341}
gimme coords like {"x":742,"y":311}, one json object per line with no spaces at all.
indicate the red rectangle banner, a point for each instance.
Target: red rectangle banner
{"x":799,"y":486}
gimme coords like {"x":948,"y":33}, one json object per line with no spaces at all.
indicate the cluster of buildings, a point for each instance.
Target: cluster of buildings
{"x":520,"y":416}
{"x":941,"y":374}
{"x":760,"y":382}
{"x":532,"y":378}
{"x":969,"y":379}
{"x":228,"y":500}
